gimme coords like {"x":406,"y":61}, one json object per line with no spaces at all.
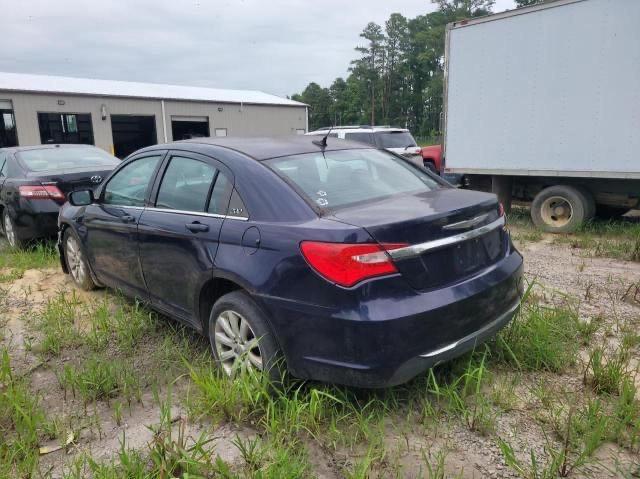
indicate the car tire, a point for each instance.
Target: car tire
{"x":559,"y":209}
{"x":607,"y":212}
{"x":240,"y":336}
{"x":10,"y":233}
{"x":76,"y":261}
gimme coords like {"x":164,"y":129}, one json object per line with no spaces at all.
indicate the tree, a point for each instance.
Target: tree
{"x":398,"y":76}
{"x":319,"y":101}
{"x":525,"y":3}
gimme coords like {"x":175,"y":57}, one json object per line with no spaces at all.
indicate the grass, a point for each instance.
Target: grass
{"x":115,"y":349}
{"x":619,"y":239}
{"x":21,"y":423}
{"x":100,"y":378}
{"x":540,"y":338}
{"x":14,"y":262}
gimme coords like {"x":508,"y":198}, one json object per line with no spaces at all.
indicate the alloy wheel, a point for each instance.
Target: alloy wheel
{"x":235,"y":342}
{"x":9,"y":232}
{"x":74,"y":260}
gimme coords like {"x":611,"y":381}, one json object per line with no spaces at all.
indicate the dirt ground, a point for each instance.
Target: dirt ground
{"x":597,"y":287}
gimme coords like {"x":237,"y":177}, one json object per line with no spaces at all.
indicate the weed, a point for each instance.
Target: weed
{"x":21,"y":420}
{"x":99,"y":378}
{"x":606,"y":372}
{"x":540,"y":338}
{"x":56,"y":323}
{"x":464,"y":396}
{"x":17,"y":261}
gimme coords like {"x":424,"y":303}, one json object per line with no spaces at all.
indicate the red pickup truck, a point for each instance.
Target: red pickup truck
{"x":432,"y":157}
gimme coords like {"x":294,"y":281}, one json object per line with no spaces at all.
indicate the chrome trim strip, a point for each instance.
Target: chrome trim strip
{"x":471,"y":336}
{"x":184,"y":212}
{"x":192,"y":213}
{"x":418,"y":249}
{"x":460,"y":225}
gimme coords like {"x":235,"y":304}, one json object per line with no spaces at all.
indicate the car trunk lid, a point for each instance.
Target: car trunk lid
{"x":451,"y":234}
{"x":70,"y":179}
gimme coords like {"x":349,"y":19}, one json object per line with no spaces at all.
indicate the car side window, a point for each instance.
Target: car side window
{"x":220,"y":194}
{"x":236,"y":206}
{"x":128,"y":187}
{"x":361,"y":137}
{"x":185,"y":184}
{"x":3,"y":164}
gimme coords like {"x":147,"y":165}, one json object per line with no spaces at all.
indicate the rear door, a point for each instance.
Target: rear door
{"x":179,"y":232}
{"x":112,"y":224}
{"x":3,"y":170}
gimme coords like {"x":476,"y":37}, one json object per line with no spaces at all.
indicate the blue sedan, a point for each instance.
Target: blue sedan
{"x":326,"y":259}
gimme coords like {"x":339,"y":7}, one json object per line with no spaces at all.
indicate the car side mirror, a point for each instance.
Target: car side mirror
{"x":81,"y":197}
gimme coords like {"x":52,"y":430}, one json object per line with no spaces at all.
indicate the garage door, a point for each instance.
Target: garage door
{"x":187,"y":127}
{"x":132,"y":132}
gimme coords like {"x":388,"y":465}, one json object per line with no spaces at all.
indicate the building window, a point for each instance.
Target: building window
{"x":221,"y":132}
{"x":65,"y":128}
{"x":8,"y":135}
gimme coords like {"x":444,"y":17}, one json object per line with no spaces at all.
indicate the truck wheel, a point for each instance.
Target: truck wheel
{"x":590,"y":210}
{"x":559,"y":209}
{"x":607,"y":212}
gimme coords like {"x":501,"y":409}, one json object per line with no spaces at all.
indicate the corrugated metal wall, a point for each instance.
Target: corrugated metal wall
{"x":239,"y":120}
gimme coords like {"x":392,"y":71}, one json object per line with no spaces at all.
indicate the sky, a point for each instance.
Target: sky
{"x":276,"y":46}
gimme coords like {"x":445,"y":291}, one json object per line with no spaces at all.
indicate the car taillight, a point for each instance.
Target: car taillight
{"x":348,"y":264}
{"x":41,"y":192}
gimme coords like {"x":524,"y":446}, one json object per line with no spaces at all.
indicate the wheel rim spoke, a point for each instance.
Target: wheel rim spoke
{"x":224,"y":323}
{"x":254,"y":360}
{"x":224,"y":339}
{"x":244,"y":330}
{"x":234,"y":322}
{"x":226,"y":355}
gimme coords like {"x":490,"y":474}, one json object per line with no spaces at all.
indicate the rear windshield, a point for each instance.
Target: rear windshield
{"x":395,"y":139}
{"x":62,"y":158}
{"x":341,"y":178}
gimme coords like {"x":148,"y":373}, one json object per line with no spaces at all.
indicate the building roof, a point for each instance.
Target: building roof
{"x":22,"y":82}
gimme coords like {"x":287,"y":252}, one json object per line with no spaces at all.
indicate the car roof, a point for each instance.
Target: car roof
{"x":357,"y":129}
{"x":45,"y":147}
{"x":264,"y":148}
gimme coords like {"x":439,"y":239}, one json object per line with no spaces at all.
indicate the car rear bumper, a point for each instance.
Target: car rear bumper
{"x":35,"y":219}
{"x":388,"y":342}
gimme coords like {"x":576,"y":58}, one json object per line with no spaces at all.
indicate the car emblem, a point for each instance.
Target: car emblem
{"x":460,"y":225}
{"x":96,"y":179}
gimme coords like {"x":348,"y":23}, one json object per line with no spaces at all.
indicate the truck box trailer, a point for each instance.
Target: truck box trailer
{"x":542,"y":104}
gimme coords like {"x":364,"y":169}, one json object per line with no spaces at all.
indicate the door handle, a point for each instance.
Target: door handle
{"x":127,"y":219}
{"x":197,"y":227}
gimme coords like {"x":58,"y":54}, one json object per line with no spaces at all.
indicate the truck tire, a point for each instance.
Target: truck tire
{"x":607,"y":212}
{"x":559,"y":209}
{"x":590,"y":209}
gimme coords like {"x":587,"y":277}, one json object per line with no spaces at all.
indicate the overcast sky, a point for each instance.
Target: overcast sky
{"x":277,"y":46}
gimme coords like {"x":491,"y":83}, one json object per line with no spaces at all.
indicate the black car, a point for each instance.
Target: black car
{"x":35,"y":181}
{"x":350,"y":263}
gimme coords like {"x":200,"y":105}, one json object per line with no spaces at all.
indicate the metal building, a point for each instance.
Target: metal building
{"x":122,"y":117}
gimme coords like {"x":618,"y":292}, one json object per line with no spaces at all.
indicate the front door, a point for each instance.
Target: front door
{"x":179,"y":233}
{"x":112,"y":225}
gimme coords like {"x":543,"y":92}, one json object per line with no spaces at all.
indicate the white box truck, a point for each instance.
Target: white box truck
{"x":542,"y":104}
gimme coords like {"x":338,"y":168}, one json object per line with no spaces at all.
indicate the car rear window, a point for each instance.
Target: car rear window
{"x":61,"y":158}
{"x":340,"y":178}
{"x":395,"y":139}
